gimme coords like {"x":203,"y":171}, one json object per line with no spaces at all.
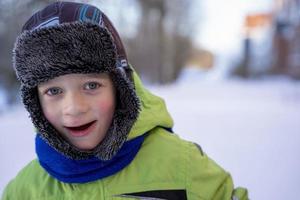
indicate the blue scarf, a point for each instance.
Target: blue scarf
{"x":82,"y":171}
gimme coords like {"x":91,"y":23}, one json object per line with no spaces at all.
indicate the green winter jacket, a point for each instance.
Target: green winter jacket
{"x":166,"y":167}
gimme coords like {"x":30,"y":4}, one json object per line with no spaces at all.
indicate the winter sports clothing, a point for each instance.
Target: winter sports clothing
{"x":165,"y":167}
{"x":139,"y":157}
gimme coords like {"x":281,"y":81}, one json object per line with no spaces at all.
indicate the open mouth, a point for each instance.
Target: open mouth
{"x":82,"y":127}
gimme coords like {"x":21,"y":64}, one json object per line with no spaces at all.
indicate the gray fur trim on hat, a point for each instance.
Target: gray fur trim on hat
{"x":77,"y":47}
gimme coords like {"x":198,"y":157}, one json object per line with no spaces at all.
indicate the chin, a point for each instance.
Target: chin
{"x":85,"y":147}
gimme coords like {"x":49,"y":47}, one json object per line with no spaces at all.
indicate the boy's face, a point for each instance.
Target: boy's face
{"x":79,"y":106}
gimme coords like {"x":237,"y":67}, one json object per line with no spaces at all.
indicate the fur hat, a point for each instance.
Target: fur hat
{"x":65,"y":38}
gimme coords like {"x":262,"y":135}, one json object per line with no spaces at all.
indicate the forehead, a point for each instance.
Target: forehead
{"x":68,"y":78}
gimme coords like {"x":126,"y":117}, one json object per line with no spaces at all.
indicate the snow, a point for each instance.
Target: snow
{"x":16,"y":144}
{"x":250,"y":128}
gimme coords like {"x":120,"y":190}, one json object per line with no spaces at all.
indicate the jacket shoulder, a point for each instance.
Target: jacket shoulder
{"x":21,"y":184}
{"x":28,"y":184}
{"x":203,"y":177}
{"x":208,"y":180}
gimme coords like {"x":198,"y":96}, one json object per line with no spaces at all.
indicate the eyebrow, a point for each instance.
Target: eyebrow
{"x":90,"y":75}
{"x":95,"y":75}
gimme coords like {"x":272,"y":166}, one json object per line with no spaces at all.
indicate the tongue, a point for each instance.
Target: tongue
{"x":81,"y":128}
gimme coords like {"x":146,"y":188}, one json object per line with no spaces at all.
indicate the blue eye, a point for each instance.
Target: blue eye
{"x":92,"y":86}
{"x":53,"y":91}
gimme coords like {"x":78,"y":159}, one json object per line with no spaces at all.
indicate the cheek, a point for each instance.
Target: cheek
{"x":106,"y":107}
{"x":50,"y":115}
{"x":48,"y":109}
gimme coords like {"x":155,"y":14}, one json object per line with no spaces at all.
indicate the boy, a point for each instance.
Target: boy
{"x":100,"y":133}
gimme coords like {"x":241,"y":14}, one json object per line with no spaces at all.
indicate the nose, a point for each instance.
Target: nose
{"x":75,"y":104}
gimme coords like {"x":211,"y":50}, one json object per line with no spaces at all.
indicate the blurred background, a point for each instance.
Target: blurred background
{"x":228,"y":70}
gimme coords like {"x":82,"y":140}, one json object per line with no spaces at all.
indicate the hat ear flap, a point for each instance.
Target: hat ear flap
{"x":126,"y":113}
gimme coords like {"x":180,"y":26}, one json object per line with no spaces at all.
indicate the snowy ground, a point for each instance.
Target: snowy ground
{"x":250,"y":128}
